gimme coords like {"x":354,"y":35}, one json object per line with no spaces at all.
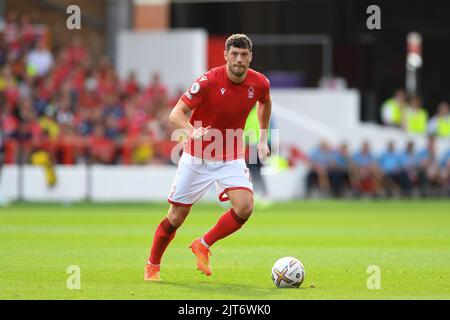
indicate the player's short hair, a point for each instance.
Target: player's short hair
{"x":238,"y":40}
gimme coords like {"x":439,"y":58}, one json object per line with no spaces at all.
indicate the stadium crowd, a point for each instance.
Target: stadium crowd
{"x":407,"y":172}
{"x":64,"y":107}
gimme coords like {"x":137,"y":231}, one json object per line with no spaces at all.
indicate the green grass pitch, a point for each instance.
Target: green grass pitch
{"x":336,"y":241}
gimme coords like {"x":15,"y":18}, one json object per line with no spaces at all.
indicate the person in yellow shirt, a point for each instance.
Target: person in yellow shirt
{"x":439,"y":124}
{"x":393,"y":108}
{"x":415,"y":119}
{"x":48,"y":123}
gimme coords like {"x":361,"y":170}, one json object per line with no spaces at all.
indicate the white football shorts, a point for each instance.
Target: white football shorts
{"x":195,"y":176}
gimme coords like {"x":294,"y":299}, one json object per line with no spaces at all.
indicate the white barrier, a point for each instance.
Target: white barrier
{"x":132,"y":183}
{"x":119,"y":183}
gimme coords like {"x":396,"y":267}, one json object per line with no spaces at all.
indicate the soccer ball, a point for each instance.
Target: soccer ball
{"x":288,"y":272}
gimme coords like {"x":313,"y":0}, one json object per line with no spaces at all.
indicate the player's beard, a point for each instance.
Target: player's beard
{"x":238,"y":72}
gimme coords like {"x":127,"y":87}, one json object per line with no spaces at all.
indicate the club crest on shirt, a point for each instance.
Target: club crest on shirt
{"x":251,"y":92}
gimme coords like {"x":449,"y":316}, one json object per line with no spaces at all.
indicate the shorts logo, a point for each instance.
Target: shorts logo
{"x":251,"y":92}
{"x":195,"y":88}
{"x":172,"y":191}
{"x":222,"y":90}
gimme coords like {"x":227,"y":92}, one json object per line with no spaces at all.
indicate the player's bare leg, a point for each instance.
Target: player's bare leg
{"x":229,"y":222}
{"x":164,"y":234}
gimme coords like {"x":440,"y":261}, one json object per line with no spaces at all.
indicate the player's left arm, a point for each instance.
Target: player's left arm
{"x":264,"y":112}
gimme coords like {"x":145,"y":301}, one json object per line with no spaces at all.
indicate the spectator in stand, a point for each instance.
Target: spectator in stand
{"x":9,"y":125}
{"x":445,"y":165}
{"x":408,"y":169}
{"x":392,"y":109}
{"x":130,"y":86}
{"x":64,"y":114}
{"x":12,"y":33}
{"x":45,"y":90}
{"x":390,"y":167}
{"x":415,"y":118}
{"x":89,"y":99}
{"x":112,"y":129}
{"x":48,"y":123}
{"x":317,"y":176}
{"x":76,"y":51}
{"x":428,"y":169}
{"x":31,"y":135}
{"x":3,"y":50}
{"x":143,"y":151}
{"x":156,"y":91}
{"x":113,"y":107}
{"x":70,"y":145}
{"x":40,"y":59}
{"x":339,"y":170}
{"x":365,"y":171}
{"x":61,"y":69}
{"x":101,"y":149}
{"x":11,"y":89}
{"x":76,"y":80}
{"x":27,"y":31}
{"x":439,"y":124}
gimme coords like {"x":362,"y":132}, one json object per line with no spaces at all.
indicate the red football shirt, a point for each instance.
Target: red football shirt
{"x":218,"y":102}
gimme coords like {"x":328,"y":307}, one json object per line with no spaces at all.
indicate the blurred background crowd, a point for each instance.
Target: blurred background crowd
{"x":407,"y":112}
{"x":66,"y":104}
{"x":398,"y":171}
{"x":76,"y":108}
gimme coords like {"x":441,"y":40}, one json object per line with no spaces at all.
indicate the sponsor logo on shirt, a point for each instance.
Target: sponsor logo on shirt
{"x":195,"y":88}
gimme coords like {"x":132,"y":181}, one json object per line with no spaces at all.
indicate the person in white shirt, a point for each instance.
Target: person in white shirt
{"x":40,"y":59}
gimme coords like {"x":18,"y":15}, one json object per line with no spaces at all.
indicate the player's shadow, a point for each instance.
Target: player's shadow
{"x":209,"y":289}
{"x":224,"y":289}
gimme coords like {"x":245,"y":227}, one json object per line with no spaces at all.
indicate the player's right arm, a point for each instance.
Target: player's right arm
{"x":189,"y":101}
{"x":179,"y":117}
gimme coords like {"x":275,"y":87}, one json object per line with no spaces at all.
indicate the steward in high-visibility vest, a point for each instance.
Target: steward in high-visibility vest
{"x":392,"y":109}
{"x":443,"y":127}
{"x":439,"y":124}
{"x":416,"y":118}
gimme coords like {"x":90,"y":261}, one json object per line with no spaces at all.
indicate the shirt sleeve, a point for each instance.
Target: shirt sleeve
{"x":265,"y":94}
{"x":197,"y":92}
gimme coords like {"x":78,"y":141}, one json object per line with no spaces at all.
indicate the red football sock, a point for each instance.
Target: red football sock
{"x":228,"y":223}
{"x":163,"y":235}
